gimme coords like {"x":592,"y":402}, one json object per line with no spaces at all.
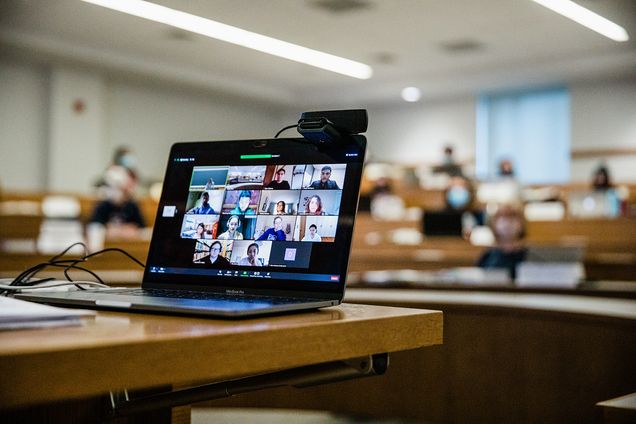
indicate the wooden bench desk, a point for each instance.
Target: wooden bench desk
{"x":115,"y":351}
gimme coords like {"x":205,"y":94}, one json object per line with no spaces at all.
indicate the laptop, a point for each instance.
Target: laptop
{"x":442,"y":223}
{"x":593,"y":204}
{"x":235,"y":237}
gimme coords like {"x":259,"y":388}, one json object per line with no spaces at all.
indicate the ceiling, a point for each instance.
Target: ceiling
{"x":446,"y":48}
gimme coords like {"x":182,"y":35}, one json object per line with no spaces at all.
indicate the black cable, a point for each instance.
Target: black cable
{"x":285,"y":129}
{"x":63,"y":252}
{"x":116,"y":249}
{"x":68,"y":264}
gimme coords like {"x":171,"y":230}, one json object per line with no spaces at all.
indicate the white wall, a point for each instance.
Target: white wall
{"x":45,"y":144}
{"x":39,"y":130}
{"x":76,"y":133}
{"x":23,"y":126}
{"x":417,"y":133}
{"x":150,"y":118}
{"x":604,"y":117}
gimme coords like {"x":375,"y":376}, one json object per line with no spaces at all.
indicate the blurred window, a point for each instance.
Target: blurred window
{"x":530,"y":128}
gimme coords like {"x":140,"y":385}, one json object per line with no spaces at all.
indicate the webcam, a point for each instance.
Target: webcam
{"x":332,"y":126}
{"x":260,"y":143}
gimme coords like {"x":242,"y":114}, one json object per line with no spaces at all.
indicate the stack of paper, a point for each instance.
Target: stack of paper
{"x":19,"y":314}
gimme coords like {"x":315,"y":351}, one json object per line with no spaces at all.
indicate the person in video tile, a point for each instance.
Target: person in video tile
{"x":242,"y":206}
{"x":252,"y":258}
{"x":275,"y":233}
{"x":280,"y":208}
{"x":200,"y":231}
{"x":313,"y":234}
{"x":314,"y":206}
{"x":215,"y":259}
{"x":278,"y":183}
{"x":205,"y":208}
{"x":232,"y":232}
{"x":325,"y":182}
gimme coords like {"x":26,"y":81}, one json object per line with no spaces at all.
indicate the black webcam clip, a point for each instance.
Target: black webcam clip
{"x":332,"y":126}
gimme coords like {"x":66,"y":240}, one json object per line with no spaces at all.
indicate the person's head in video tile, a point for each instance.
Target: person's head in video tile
{"x":200,"y":231}
{"x":276,"y":232}
{"x":232,"y":233}
{"x":243,"y":204}
{"x":314,"y":206}
{"x":216,"y":259}
{"x":325,"y":182}
{"x":280,"y":208}
{"x":251,"y":259}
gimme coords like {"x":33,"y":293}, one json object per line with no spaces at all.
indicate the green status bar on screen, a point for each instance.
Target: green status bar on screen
{"x":263,"y":156}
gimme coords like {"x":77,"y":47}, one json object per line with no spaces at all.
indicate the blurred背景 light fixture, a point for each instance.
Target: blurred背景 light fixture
{"x":587,"y":18}
{"x":411,"y":94}
{"x":238,"y":36}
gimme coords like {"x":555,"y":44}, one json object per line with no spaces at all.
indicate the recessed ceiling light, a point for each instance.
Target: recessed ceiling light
{"x":238,"y":36}
{"x":587,"y":18}
{"x":411,"y":94}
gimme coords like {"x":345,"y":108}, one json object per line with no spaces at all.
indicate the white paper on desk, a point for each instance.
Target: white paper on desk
{"x":15,"y":313}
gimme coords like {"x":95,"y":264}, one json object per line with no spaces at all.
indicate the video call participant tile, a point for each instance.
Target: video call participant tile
{"x":279,"y":202}
{"x":199,"y":226}
{"x":245,"y":177}
{"x":236,"y":227}
{"x":208,"y":178}
{"x":316,"y":228}
{"x":275,"y":227}
{"x":251,"y":253}
{"x":324,"y":176}
{"x":207,"y":202}
{"x":319,"y":202}
{"x":290,"y":254}
{"x":215,"y":253}
{"x":284,"y":177}
{"x":241,"y":202}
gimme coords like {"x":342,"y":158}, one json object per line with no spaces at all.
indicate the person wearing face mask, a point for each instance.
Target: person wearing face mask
{"x":459,"y":199}
{"x":508,"y":227}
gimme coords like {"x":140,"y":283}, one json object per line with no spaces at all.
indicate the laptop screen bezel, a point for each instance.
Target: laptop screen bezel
{"x":351,"y":152}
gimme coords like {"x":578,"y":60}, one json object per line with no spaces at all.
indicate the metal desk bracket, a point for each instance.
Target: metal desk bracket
{"x":310,"y":375}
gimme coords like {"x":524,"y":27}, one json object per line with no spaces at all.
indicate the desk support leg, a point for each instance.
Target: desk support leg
{"x":306,"y":376}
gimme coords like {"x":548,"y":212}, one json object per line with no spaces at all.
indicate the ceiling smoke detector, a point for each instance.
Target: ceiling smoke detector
{"x":461,"y":46}
{"x":342,"y":6}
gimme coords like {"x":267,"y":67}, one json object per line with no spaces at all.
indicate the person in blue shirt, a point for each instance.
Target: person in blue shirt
{"x":205,"y":208}
{"x":243,"y":204}
{"x":275,"y":233}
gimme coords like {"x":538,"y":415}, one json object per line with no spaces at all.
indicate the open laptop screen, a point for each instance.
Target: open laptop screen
{"x":270,"y":214}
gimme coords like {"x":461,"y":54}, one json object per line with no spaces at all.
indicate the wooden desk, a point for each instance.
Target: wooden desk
{"x":114,"y":351}
{"x":506,"y":358}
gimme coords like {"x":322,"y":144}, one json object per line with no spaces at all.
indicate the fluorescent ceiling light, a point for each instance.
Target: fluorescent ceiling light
{"x":238,"y":36}
{"x":411,"y":94}
{"x":587,"y":18}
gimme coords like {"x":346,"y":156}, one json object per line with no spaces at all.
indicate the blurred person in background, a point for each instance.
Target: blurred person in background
{"x":509,"y":229}
{"x":506,"y":169}
{"x":118,"y":210}
{"x":459,"y":197}
{"x":601,"y":178}
{"x":449,"y":166}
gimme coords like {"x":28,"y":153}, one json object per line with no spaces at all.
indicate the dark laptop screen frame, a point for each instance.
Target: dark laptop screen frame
{"x":331,"y":258}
